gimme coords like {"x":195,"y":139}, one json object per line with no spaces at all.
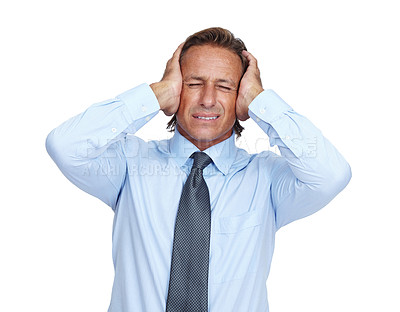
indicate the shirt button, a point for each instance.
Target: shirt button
{"x":147,"y":118}
{"x":262,"y":110}
{"x":287,"y":137}
{"x":114,"y":130}
{"x":144,"y":108}
{"x":258,"y":119}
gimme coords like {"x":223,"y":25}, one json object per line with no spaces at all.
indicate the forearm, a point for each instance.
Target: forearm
{"x":88,"y":148}
{"x":315,"y":173}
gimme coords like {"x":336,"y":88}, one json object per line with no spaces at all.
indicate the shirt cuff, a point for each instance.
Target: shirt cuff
{"x":140,"y":101}
{"x":270,"y":112}
{"x":268,"y":106}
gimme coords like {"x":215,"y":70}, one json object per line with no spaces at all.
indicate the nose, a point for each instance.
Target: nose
{"x":208,"y":96}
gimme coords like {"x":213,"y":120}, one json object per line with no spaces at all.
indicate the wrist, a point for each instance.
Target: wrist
{"x":165,"y":96}
{"x":253,"y":93}
{"x":159,"y":92}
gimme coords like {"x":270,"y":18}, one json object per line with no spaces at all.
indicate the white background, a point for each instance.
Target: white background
{"x":336,"y":62}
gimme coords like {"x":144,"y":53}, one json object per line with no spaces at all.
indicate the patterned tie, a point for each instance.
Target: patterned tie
{"x":188,"y":284}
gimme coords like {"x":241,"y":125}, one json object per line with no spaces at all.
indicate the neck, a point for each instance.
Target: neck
{"x":203,"y":144}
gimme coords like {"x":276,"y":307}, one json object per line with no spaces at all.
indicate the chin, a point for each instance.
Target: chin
{"x":204,"y":137}
{"x":210,"y":137}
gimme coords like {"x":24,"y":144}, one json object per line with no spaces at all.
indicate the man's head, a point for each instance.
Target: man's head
{"x":212,"y":66}
{"x":216,"y":36}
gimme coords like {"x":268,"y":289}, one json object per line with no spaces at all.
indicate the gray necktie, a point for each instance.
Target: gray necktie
{"x":188,"y":285}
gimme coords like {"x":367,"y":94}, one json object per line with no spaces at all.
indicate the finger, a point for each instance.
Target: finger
{"x":250,"y":58}
{"x":173,"y":66}
{"x":175,"y":55}
{"x":178,"y":51}
{"x":253,"y":66}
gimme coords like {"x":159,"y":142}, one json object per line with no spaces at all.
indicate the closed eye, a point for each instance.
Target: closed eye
{"x":194,"y":85}
{"x":225,"y":88}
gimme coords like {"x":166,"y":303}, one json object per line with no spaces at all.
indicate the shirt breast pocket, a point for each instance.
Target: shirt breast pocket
{"x":236,"y":243}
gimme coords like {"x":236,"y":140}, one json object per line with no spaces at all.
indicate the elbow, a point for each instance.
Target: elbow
{"x":56,"y":148}
{"x":337,"y":180}
{"x":348,"y":174}
{"x":343,"y":177}
{"x":51,"y":144}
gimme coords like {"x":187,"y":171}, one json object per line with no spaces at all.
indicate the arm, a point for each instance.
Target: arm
{"x":89,"y":148}
{"x":311,"y":171}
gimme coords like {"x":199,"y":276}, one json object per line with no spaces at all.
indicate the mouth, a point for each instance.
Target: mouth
{"x":206,"y":117}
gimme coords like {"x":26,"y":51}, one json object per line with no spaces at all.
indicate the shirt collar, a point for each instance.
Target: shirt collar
{"x":223,"y":154}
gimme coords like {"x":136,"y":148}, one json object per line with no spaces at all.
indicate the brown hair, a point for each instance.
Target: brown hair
{"x":219,"y":37}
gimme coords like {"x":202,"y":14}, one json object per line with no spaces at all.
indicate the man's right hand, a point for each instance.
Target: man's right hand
{"x":168,"y":90}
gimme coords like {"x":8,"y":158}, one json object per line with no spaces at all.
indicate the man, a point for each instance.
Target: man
{"x":180,"y":244}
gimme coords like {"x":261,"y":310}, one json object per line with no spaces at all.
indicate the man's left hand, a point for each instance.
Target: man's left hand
{"x":250,"y":87}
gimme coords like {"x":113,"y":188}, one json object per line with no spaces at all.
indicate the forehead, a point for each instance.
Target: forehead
{"x":212,"y":62}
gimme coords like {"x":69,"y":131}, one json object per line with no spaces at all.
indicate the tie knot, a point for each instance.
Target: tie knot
{"x":200,"y":160}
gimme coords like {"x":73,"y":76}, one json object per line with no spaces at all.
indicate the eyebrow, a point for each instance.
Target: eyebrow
{"x":199,"y":78}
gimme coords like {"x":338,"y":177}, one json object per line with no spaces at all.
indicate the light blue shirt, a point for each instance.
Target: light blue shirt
{"x":251,"y":196}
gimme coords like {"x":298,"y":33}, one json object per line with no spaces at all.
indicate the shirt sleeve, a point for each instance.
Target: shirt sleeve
{"x":311,"y":172}
{"x":89,"y":148}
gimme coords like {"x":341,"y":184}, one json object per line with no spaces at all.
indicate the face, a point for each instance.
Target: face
{"x":207,"y":111}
